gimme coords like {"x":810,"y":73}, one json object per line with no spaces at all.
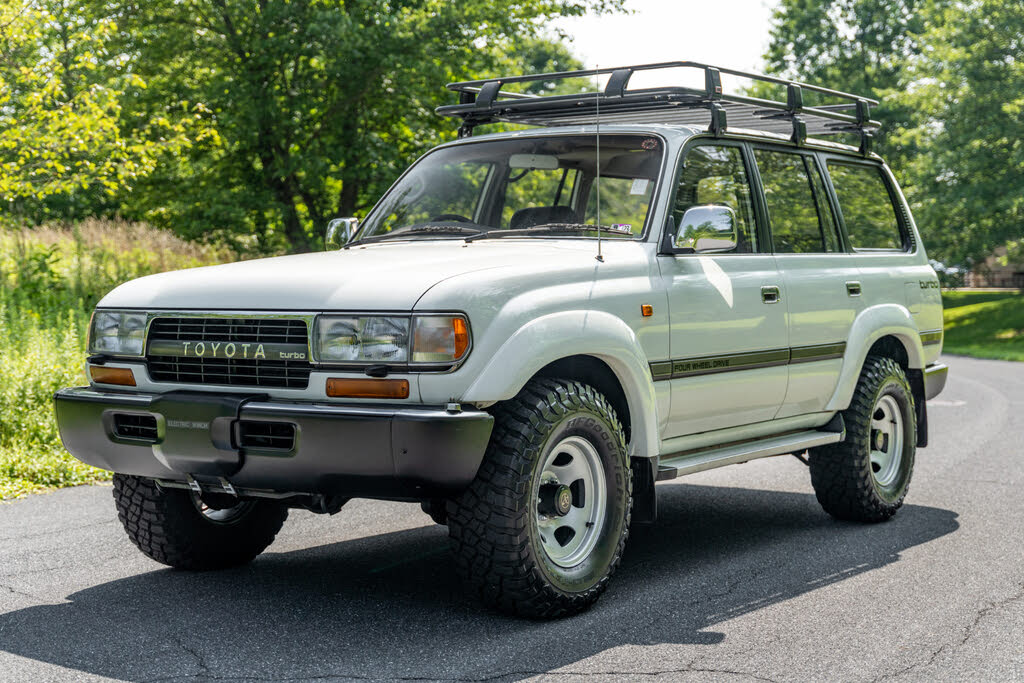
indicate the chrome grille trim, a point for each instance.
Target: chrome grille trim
{"x":238,"y":329}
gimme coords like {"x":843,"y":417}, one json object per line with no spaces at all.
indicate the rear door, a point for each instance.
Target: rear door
{"x":822,"y":287}
{"x":878,"y":228}
{"x":728,"y":330}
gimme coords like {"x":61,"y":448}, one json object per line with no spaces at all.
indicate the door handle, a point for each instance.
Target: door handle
{"x":770,"y":294}
{"x":853,"y":288}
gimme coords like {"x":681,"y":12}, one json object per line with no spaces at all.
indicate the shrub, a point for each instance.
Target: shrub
{"x":50,"y":279}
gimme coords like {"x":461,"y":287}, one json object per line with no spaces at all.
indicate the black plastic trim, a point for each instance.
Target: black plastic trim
{"x":397,"y":452}
{"x":752,"y":360}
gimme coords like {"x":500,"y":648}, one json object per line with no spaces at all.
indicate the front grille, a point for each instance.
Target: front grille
{"x":246,"y":372}
{"x":278,"y":436}
{"x":137,"y":427}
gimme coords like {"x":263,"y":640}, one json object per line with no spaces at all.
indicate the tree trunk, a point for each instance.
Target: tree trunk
{"x":349,"y":198}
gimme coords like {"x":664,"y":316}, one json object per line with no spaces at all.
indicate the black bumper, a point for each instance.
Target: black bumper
{"x":935,"y":379}
{"x":266,"y":445}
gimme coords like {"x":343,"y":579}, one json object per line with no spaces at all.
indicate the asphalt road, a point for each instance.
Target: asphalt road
{"x":743,"y":577}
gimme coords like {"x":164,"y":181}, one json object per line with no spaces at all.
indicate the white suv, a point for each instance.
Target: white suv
{"x":528,"y":331}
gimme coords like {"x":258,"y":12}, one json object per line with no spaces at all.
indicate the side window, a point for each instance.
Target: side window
{"x":716,"y":174}
{"x":800,"y":219}
{"x":866,"y":205}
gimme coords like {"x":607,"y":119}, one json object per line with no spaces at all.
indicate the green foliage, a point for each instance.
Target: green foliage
{"x":318,"y":104}
{"x":984,"y":324}
{"x":950,"y":76}
{"x":969,"y":89}
{"x":49,"y":281}
{"x":858,"y":46}
{"x":62,"y":126}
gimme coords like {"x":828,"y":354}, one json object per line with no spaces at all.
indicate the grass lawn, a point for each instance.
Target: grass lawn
{"x":984,"y":324}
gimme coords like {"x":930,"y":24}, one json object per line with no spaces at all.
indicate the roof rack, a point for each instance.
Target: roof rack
{"x":484,"y":101}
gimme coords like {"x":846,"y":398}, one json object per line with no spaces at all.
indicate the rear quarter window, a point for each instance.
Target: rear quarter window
{"x":867,"y":207}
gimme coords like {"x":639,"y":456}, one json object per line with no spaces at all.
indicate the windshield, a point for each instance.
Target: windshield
{"x":529,"y":186}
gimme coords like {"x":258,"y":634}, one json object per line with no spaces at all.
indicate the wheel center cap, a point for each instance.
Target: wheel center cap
{"x":879,"y":440}
{"x":555,"y":500}
{"x":563,"y":500}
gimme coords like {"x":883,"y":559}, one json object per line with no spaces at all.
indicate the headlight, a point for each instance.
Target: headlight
{"x":117,"y":333}
{"x":362,"y":339}
{"x":391,"y":339}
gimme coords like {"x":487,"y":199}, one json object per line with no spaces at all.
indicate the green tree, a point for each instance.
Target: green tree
{"x":969,"y":89}
{"x":62,"y":126}
{"x":858,"y":46}
{"x":318,"y":104}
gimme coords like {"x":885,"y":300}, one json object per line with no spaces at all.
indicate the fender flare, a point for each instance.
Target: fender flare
{"x":871,"y":325}
{"x":576,"y":333}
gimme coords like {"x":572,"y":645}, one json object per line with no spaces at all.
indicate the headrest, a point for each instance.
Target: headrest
{"x":541,"y":215}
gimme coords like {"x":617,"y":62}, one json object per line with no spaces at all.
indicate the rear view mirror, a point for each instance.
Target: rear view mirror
{"x":340,"y":232}
{"x":706,"y":229}
{"x":544,"y":162}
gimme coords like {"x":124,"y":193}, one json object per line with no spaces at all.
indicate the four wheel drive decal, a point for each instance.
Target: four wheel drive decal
{"x":707,"y":365}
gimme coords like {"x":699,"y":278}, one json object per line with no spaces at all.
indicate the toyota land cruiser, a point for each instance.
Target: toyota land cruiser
{"x":530,"y":330}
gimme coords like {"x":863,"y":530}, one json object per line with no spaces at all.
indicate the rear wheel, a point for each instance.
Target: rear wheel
{"x":866,"y":477}
{"x":543,"y":526}
{"x":180,"y":529}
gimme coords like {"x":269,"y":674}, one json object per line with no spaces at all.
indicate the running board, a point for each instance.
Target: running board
{"x":796,"y":442}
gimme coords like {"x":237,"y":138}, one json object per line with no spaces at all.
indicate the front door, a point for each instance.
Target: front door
{"x":728,"y":341}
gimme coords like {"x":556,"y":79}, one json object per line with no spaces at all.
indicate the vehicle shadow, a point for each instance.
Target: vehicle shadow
{"x":389,"y":606}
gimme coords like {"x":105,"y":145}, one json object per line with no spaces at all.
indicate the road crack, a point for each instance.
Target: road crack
{"x":967,"y":632}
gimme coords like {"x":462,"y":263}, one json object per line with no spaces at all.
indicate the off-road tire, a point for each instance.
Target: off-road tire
{"x":493,"y":527}
{"x":167,"y":526}
{"x":841,"y":473}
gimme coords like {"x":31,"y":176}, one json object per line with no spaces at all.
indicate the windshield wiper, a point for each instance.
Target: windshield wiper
{"x":549,"y":228}
{"x":417,"y":230}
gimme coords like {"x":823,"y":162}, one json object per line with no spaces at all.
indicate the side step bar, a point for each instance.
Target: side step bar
{"x":730,"y":454}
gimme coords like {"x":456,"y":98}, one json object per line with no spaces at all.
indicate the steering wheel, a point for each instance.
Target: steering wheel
{"x":450,"y":217}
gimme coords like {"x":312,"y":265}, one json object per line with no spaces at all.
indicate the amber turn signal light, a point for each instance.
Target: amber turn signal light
{"x":646,"y":310}
{"x":103,"y":375}
{"x":345,"y":387}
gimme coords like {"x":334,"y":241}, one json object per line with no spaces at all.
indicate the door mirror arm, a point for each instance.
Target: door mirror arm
{"x":668,"y":237}
{"x":340,"y":232}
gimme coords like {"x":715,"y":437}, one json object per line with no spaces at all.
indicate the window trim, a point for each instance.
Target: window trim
{"x":758,"y":229}
{"x":909,"y":245}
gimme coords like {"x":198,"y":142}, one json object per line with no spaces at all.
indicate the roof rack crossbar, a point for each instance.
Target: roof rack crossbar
{"x":486,"y":101}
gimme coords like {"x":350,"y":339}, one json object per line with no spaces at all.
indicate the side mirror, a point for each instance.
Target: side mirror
{"x":340,"y":232}
{"x":706,"y":229}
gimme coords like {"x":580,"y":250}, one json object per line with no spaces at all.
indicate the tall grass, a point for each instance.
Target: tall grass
{"x":50,"y":279}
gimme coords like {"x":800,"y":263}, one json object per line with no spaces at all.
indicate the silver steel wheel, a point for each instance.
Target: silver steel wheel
{"x":572,"y":497}
{"x":227,"y":515}
{"x":886,"y":441}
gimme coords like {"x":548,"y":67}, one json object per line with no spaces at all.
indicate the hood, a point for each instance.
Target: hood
{"x":383,"y":277}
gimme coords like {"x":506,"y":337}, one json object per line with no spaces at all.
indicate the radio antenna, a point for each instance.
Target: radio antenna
{"x":597,"y":101}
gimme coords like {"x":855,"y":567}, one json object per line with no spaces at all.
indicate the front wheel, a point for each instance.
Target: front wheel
{"x":178,"y":528}
{"x":865,"y":478}
{"x":543,"y":526}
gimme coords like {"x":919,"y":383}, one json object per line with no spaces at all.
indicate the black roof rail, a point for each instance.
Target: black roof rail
{"x":484,"y":101}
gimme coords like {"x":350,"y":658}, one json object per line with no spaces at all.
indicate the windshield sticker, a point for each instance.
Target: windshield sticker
{"x":649,"y":144}
{"x":622,"y":226}
{"x":639,"y":186}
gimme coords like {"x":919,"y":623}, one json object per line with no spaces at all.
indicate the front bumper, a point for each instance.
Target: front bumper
{"x":371,"y":451}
